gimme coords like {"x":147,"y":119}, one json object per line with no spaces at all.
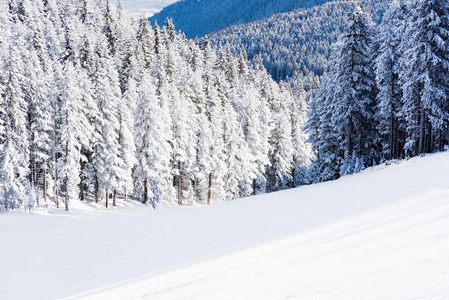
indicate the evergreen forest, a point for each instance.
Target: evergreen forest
{"x":97,"y":106}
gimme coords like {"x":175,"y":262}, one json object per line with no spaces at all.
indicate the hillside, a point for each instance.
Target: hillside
{"x":375,"y":235}
{"x":296,"y":44}
{"x":198,"y":18}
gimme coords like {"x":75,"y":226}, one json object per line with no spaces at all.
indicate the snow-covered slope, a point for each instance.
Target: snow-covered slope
{"x":382,"y":234}
{"x":146,"y":8}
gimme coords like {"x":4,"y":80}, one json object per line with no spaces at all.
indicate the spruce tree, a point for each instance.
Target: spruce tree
{"x":424,"y":75}
{"x":354,"y":95}
{"x":389,"y":106}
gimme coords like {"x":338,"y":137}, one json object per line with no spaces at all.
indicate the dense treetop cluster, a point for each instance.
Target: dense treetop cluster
{"x":95,"y":105}
{"x":296,"y":46}
{"x":387,"y":94}
{"x":198,"y":18}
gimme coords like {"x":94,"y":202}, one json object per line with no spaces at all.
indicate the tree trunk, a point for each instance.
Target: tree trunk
{"x":97,"y":189}
{"x":391,"y":141}
{"x":349,"y":146}
{"x":195,"y":187}
{"x":124,"y":195}
{"x":209,"y":190}
{"x":67,"y":195}
{"x":422,"y":131}
{"x":145,"y":191}
{"x":179,"y":184}
{"x":254,"y":186}
{"x":82,"y":189}
{"x":35,"y":174}
{"x":67,"y":201}
{"x":45,"y":186}
{"x":114,"y":199}
{"x":107,"y":199}
{"x":67,"y":189}
{"x":56,"y":189}
{"x":120,"y":130}
{"x":81,"y":184}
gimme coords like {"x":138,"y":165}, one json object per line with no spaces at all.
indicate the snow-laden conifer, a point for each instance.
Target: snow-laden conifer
{"x":152,"y":147}
{"x":424,"y":74}
{"x":354,"y":94}
{"x":388,"y":106}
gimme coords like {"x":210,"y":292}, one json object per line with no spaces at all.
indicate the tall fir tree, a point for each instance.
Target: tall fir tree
{"x":354,"y":95}
{"x":389,"y":106}
{"x":424,"y":75}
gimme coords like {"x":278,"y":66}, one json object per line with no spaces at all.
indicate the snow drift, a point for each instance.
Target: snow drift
{"x":379,"y":234}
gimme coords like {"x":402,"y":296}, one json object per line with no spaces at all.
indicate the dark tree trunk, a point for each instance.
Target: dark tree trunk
{"x":97,"y":189}
{"x":35,"y":173}
{"x":107,"y":199}
{"x":422,"y":131}
{"x":145,"y":191}
{"x":120,"y":130}
{"x":179,"y":184}
{"x":67,"y":201}
{"x":209,"y":190}
{"x":397,"y":146}
{"x":195,"y":188}
{"x":392,"y":138}
{"x":114,"y":199}
{"x":67,"y":188}
{"x":56,"y":189}
{"x":45,"y":186}
{"x":254,"y":186}
{"x":349,"y":137}
{"x":82,"y":184}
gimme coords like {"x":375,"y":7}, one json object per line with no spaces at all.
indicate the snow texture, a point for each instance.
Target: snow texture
{"x":380,"y":234}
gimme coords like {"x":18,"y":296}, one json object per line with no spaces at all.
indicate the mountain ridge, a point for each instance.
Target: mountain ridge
{"x":198,"y":18}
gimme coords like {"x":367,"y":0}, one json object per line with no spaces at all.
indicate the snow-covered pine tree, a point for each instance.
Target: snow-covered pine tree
{"x":302,"y":156}
{"x":158,"y":74}
{"x":323,"y":135}
{"x":40,"y":121}
{"x":213,"y":136}
{"x":71,"y":131}
{"x":183,"y":119}
{"x":279,"y":172}
{"x":424,"y":75}
{"x":388,"y":106}
{"x":354,"y":95}
{"x":126,"y":137}
{"x":107,"y":162}
{"x":248,"y":108}
{"x":14,"y":135}
{"x":264,"y":130}
{"x":152,"y":147}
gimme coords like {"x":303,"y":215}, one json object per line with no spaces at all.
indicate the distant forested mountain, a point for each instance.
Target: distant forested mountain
{"x":197,"y":18}
{"x":296,"y":45}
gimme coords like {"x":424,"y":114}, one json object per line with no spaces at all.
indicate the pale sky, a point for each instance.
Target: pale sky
{"x":147,"y":8}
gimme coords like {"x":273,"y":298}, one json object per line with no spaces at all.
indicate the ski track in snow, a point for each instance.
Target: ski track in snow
{"x":398,"y":252}
{"x":382,"y":234}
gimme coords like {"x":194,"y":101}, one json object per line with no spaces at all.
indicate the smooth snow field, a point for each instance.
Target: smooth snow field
{"x":381,"y":234}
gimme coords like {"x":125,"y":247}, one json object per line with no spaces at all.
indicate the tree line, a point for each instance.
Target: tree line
{"x":386,"y":95}
{"x":97,"y":106}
